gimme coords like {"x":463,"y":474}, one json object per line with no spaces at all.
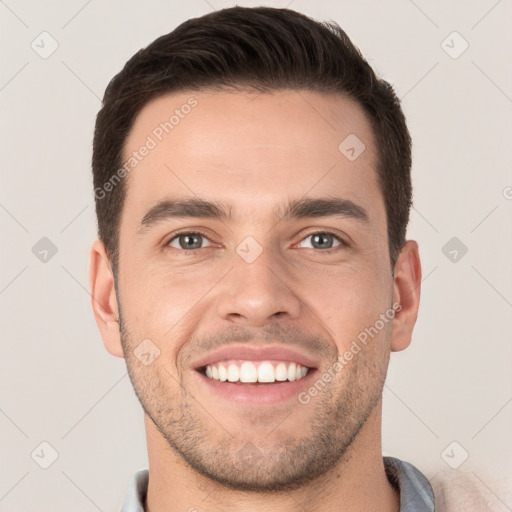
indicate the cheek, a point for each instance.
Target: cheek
{"x":361,"y":337}
{"x":159,"y":304}
{"x":348,"y":298}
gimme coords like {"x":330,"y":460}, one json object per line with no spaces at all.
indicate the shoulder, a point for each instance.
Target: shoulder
{"x":456,"y":490}
{"x":471,"y":490}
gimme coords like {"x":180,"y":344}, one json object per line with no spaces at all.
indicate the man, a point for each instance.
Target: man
{"x":252,"y":184}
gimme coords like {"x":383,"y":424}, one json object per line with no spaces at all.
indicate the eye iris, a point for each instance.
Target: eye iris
{"x":320,"y":238}
{"x":191,"y":241}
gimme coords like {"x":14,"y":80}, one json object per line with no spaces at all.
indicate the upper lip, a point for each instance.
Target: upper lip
{"x":254,"y":353}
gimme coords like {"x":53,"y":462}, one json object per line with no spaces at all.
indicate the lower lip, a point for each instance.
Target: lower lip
{"x":258,"y":394}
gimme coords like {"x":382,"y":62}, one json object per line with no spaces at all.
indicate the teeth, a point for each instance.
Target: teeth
{"x":292,"y":371}
{"x":233,"y":373}
{"x":248,"y":372}
{"x":282,"y":372}
{"x":223,"y":373}
{"x":264,"y":371}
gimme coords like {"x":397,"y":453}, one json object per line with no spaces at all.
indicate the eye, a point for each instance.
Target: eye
{"x":187,"y":241}
{"x":324,"y":240}
{"x":193,"y":240}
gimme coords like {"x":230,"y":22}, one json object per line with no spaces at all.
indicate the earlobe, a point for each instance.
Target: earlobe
{"x":104,"y":300}
{"x":407,"y":289}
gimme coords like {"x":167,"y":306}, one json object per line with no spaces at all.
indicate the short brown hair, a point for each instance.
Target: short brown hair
{"x":264,"y":49}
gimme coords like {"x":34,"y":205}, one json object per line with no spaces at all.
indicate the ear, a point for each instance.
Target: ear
{"x":406,"y":292}
{"x":104,"y":300}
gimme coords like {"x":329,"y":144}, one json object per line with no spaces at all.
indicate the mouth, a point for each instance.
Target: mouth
{"x":254,"y":375}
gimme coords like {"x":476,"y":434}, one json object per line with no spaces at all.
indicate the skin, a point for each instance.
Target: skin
{"x":256,"y":152}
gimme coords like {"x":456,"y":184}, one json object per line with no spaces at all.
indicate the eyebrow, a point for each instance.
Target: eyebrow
{"x":296,"y":209}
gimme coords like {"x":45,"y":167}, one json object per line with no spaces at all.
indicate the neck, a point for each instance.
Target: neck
{"x":357,"y":483}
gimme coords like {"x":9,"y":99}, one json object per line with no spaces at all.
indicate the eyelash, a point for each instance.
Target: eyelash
{"x":344,"y":243}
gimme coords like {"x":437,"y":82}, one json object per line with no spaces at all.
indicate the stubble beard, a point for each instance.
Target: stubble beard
{"x":246,"y":460}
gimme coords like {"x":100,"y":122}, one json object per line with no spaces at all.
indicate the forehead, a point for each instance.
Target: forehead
{"x":251,"y":150}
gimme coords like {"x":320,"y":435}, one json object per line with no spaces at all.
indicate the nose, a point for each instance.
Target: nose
{"x":258,"y":292}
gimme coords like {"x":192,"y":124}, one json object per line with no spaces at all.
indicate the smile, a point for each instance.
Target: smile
{"x":267,"y":372}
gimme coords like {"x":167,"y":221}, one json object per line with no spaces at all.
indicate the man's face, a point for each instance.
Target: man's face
{"x":257,"y":289}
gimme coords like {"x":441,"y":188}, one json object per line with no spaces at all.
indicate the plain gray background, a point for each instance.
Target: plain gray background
{"x":447,"y":397}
